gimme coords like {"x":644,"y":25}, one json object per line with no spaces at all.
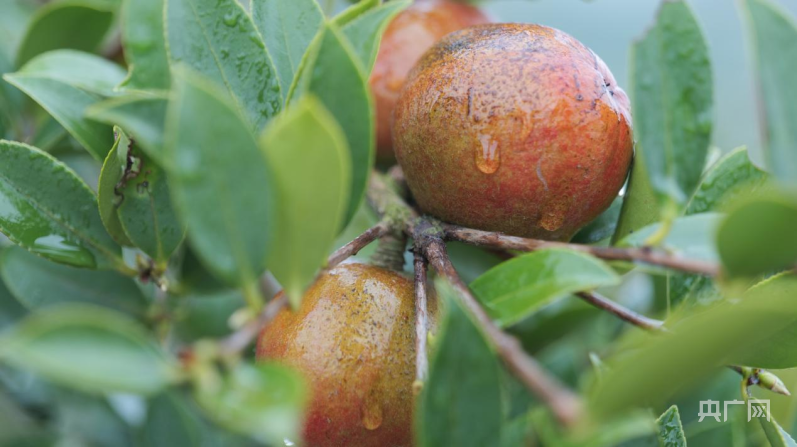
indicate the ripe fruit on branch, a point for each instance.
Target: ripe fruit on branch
{"x":514,"y":128}
{"x":409,"y":35}
{"x":354,"y":339}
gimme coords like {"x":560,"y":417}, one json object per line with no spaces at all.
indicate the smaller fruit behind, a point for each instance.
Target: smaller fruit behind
{"x":515,"y":128}
{"x":409,"y":35}
{"x":353,"y":337}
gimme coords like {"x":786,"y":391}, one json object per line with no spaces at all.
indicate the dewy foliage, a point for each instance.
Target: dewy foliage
{"x":148,"y":188}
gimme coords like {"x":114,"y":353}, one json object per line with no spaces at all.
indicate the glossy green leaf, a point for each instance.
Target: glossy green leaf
{"x":313,"y":197}
{"x":218,"y":39}
{"x":334,"y":75}
{"x":517,"y":288}
{"x":776,"y":435}
{"x":145,"y":45}
{"x":220,"y":180}
{"x":108,"y":200}
{"x":690,"y":236}
{"x":67,"y":104}
{"x":731,"y":177}
{"x":354,"y":11}
{"x":640,"y":205}
{"x":78,"y":69}
{"x":461,"y":403}
{"x":288,"y":27}
{"x":759,"y":237}
{"x":146,"y":211}
{"x":365,"y":31}
{"x":90,"y":349}
{"x":48,"y":210}
{"x":652,"y":369}
{"x":143,"y":117}
{"x":671,"y":432}
{"x":75,"y":24}
{"x":14,"y":16}
{"x":264,"y":401}
{"x":38,"y":283}
{"x":672,"y":97}
{"x":773,"y":37}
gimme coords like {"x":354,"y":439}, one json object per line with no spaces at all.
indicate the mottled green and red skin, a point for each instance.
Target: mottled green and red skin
{"x":406,"y":39}
{"x":548,"y":106}
{"x":353,"y":337}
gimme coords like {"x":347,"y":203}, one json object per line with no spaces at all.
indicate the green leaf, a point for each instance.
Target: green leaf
{"x":671,"y":432}
{"x":107,"y":200}
{"x":365,"y":31}
{"x":354,"y":11}
{"x":640,"y":205}
{"x":649,"y":371}
{"x":10,"y":309}
{"x":77,"y":69}
{"x":335,"y":76}
{"x":67,"y":104}
{"x":517,"y":288}
{"x":75,"y":24}
{"x":226,"y":197}
{"x":90,"y":349}
{"x":288,"y":27}
{"x":218,"y":39}
{"x":689,"y":236}
{"x":461,"y":404}
{"x":146,"y":212}
{"x":313,"y":197}
{"x":265,"y":401}
{"x":730,"y":178}
{"x":48,"y":210}
{"x":143,"y":117}
{"x":672,"y":96}
{"x":773,"y":37}
{"x":145,"y":45}
{"x":603,"y":227}
{"x":14,"y":16}
{"x":207,"y":315}
{"x":776,"y":435}
{"x":38,"y":283}
{"x":759,"y":237}
{"x":171,"y":422}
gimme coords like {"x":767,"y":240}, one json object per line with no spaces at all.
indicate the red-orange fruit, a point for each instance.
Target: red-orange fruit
{"x":353,"y":337}
{"x":409,"y":35}
{"x":514,"y":128}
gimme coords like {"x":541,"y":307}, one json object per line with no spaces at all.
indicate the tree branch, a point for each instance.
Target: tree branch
{"x":360,"y":242}
{"x":421,"y":317}
{"x":565,"y":405}
{"x":621,"y":312}
{"x":240,"y":339}
{"x":643,"y":255}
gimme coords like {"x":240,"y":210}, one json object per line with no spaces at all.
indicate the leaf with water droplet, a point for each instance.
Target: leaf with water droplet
{"x":46,"y":208}
{"x":145,"y":45}
{"x":198,"y":31}
{"x":671,"y":432}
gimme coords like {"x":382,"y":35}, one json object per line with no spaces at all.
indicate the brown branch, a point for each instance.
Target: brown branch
{"x":565,"y":405}
{"x":354,"y":247}
{"x":631,"y":254}
{"x":421,"y":317}
{"x":621,"y":312}
{"x":240,"y":339}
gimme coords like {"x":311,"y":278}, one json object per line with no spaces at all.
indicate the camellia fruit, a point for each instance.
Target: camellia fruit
{"x":515,"y":128}
{"x":409,"y":35}
{"x":353,"y":338}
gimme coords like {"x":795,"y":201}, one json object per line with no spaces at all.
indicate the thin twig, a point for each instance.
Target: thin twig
{"x":565,"y":405}
{"x":240,"y":339}
{"x":621,"y":312}
{"x":421,"y":317}
{"x":631,"y":254}
{"x":354,"y":247}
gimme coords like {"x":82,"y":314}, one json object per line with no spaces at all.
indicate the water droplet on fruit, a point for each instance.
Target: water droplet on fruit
{"x":231,"y":19}
{"x":372,"y":412}
{"x":488,"y":155}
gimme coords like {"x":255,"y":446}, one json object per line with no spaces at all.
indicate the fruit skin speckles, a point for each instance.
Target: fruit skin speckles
{"x":515,"y":128}
{"x":406,"y":39}
{"x":353,"y":338}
